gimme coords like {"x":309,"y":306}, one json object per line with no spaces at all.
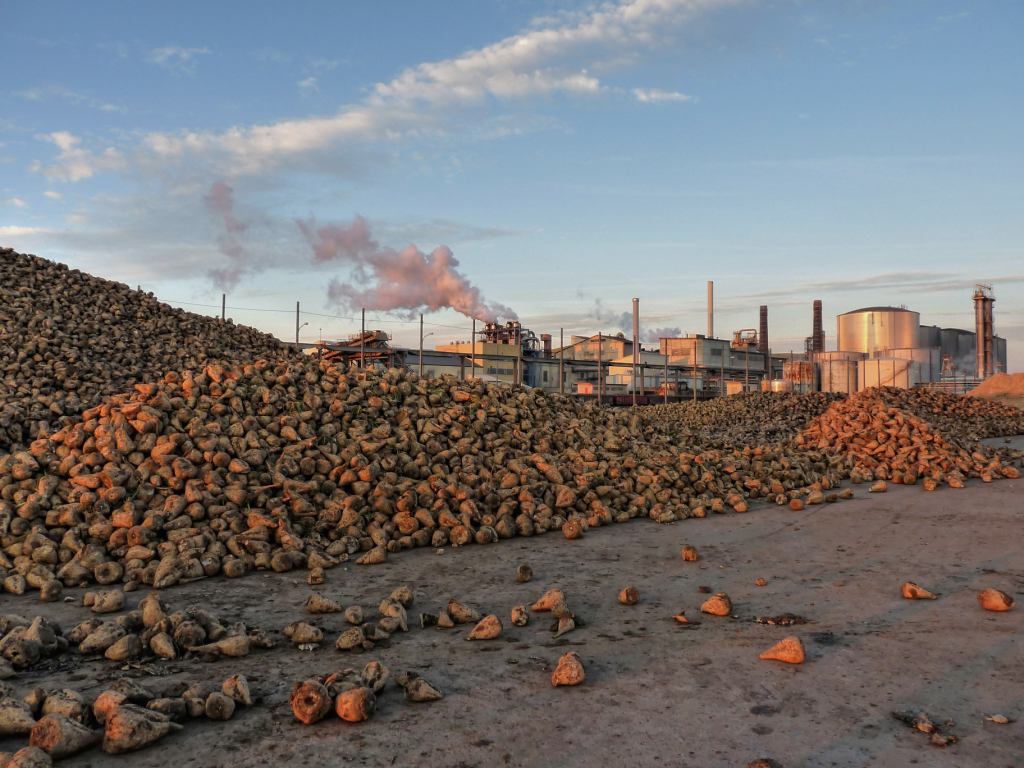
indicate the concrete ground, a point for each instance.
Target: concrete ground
{"x":655,"y":693}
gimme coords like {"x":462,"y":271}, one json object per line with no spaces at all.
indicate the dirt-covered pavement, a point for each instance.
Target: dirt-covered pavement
{"x":655,"y":693}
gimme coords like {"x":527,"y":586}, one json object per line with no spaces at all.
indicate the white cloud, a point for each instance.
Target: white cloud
{"x":16,"y":202}
{"x":12,"y":231}
{"x":75,"y":164}
{"x":53,"y":195}
{"x":176,"y":58}
{"x":553,"y":57}
{"x":656,"y":96}
{"x":308,"y":85}
{"x":53,"y":90}
{"x":324,"y":65}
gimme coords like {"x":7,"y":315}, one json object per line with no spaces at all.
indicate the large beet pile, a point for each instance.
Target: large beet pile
{"x":300,"y":464}
{"x":67,"y":340}
{"x":755,"y":419}
{"x":905,"y":435}
{"x":135,"y":458}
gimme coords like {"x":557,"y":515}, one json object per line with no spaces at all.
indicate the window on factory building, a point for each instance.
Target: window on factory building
{"x":545,"y":377}
{"x":716,"y":352}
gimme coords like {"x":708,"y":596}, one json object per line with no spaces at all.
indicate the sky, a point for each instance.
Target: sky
{"x":546,"y":160}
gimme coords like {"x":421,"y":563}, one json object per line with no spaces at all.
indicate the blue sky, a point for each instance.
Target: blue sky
{"x":569,"y":155}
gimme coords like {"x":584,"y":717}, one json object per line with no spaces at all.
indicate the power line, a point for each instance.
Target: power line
{"x":312,"y":314}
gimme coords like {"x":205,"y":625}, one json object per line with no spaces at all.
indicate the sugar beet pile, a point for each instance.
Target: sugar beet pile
{"x":139,"y":443}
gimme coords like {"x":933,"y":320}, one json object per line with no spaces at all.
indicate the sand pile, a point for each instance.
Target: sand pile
{"x":67,"y":340}
{"x":1004,"y":388}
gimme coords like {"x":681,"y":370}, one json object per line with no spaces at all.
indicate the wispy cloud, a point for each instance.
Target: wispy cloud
{"x":655,"y":96}
{"x":553,"y":58}
{"x":53,"y":195}
{"x":307,"y":86}
{"x":176,"y":58}
{"x":56,"y":91}
{"x":74,"y":163}
{"x":273,"y":56}
{"x":15,"y":201}
{"x":324,"y":65}
{"x":14,"y":231}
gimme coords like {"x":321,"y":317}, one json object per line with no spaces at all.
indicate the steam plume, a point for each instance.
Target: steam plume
{"x":406,"y":281}
{"x":624,"y":322}
{"x":221,"y":204}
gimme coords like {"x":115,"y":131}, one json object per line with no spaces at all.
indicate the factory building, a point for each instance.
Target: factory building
{"x":888,"y":346}
{"x":958,"y":350}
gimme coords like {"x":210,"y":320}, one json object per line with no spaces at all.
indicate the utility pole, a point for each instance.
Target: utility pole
{"x":746,"y":368}
{"x":561,"y":358}
{"x":223,"y":303}
{"x":421,"y":345}
{"x":362,"y":343}
{"x":721,"y":388}
{"x":600,"y":378}
{"x":519,"y":353}
{"x":665,"y":380}
{"x":636,"y":343}
{"x":296,"y":324}
{"x":473,"y":343}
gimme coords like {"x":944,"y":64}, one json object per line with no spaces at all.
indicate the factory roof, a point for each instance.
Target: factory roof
{"x":879,"y":309}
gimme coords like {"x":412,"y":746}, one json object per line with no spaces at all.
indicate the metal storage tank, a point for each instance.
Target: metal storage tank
{"x":839,"y":371}
{"x":888,"y":372}
{"x":930,"y":360}
{"x":872,"y":329}
{"x":801,"y":374}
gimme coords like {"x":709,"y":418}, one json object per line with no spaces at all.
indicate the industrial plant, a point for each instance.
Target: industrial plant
{"x":874,"y":346}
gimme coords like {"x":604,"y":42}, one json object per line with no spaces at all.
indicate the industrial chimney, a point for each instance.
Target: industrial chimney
{"x":817,"y":333}
{"x":636,"y":344}
{"x":711,"y":309}
{"x":762,"y":336}
{"x":984,"y":333}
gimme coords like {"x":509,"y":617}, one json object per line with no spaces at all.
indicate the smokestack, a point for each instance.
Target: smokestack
{"x":636,"y":343}
{"x":984,"y":333}
{"x":711,"y":309}
{"x":762,"y":336}
{"x":818,"y":334}
{"x":546,"y":340}
{"x":636,"y":331}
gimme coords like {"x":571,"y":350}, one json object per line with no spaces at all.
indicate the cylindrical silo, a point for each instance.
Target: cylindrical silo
{"x":930,"y":360}
{"x":888,"y":372}
{"x":839,"y":371}
{"x":872,"y":330}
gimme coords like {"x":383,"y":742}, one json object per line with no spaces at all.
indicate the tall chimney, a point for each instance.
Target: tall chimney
{"x":984,"y":333}
{"x":636,"y":331}
{"x":711,"y":309}
{"x":636,"y":344}
{"x":817,"y":334}
{"x":762,"y":336}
